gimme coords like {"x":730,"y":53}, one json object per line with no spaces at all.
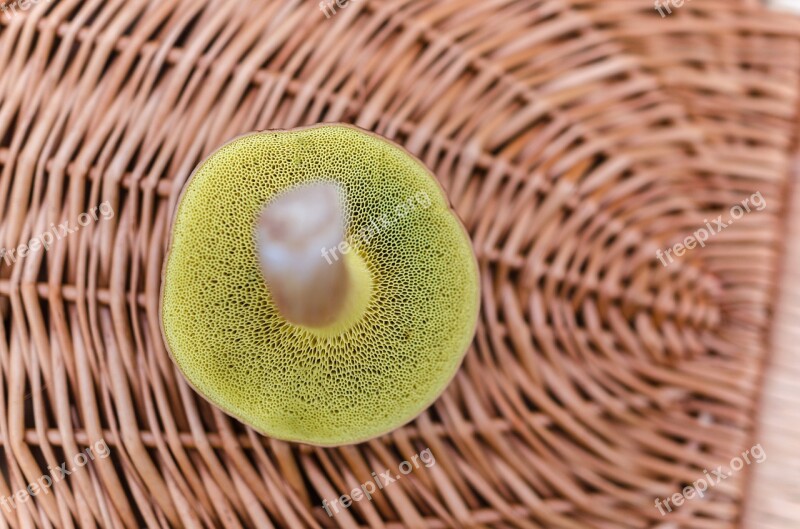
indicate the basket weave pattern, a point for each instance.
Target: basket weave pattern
{"x":574,"y":138}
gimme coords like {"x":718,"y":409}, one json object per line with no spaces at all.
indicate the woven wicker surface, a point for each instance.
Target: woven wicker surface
{"x":574,"y":139}
{"x":773,"y":491}
{"x":715,"y":75}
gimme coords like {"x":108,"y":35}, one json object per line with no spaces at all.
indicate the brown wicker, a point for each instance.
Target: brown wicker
{"x":761,"y":57}
{"x":575,"y":138}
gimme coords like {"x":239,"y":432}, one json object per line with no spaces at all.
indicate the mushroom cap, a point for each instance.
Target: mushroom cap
{"x":404,"y":334}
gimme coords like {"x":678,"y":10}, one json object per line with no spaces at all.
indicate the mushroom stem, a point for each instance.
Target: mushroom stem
{"x":293,"y":235}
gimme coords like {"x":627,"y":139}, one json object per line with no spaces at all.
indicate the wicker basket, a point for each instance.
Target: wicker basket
{"x":575,"y":138}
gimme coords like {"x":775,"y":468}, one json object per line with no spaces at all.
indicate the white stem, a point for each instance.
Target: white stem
{"x":294,"y":231}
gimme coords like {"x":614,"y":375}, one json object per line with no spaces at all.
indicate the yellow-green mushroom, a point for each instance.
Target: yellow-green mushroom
{"x":318,"y":286}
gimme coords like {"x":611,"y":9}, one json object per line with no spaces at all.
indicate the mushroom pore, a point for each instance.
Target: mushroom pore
{"x":318,"y":286}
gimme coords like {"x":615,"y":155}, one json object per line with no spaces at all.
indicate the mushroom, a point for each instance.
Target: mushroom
{"x":318,"y":286}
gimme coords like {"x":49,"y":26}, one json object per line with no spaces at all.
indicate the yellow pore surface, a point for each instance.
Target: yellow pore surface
{"x":398,"y":343}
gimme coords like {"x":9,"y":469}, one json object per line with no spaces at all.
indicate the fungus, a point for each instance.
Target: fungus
{"x":318,"y":286}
